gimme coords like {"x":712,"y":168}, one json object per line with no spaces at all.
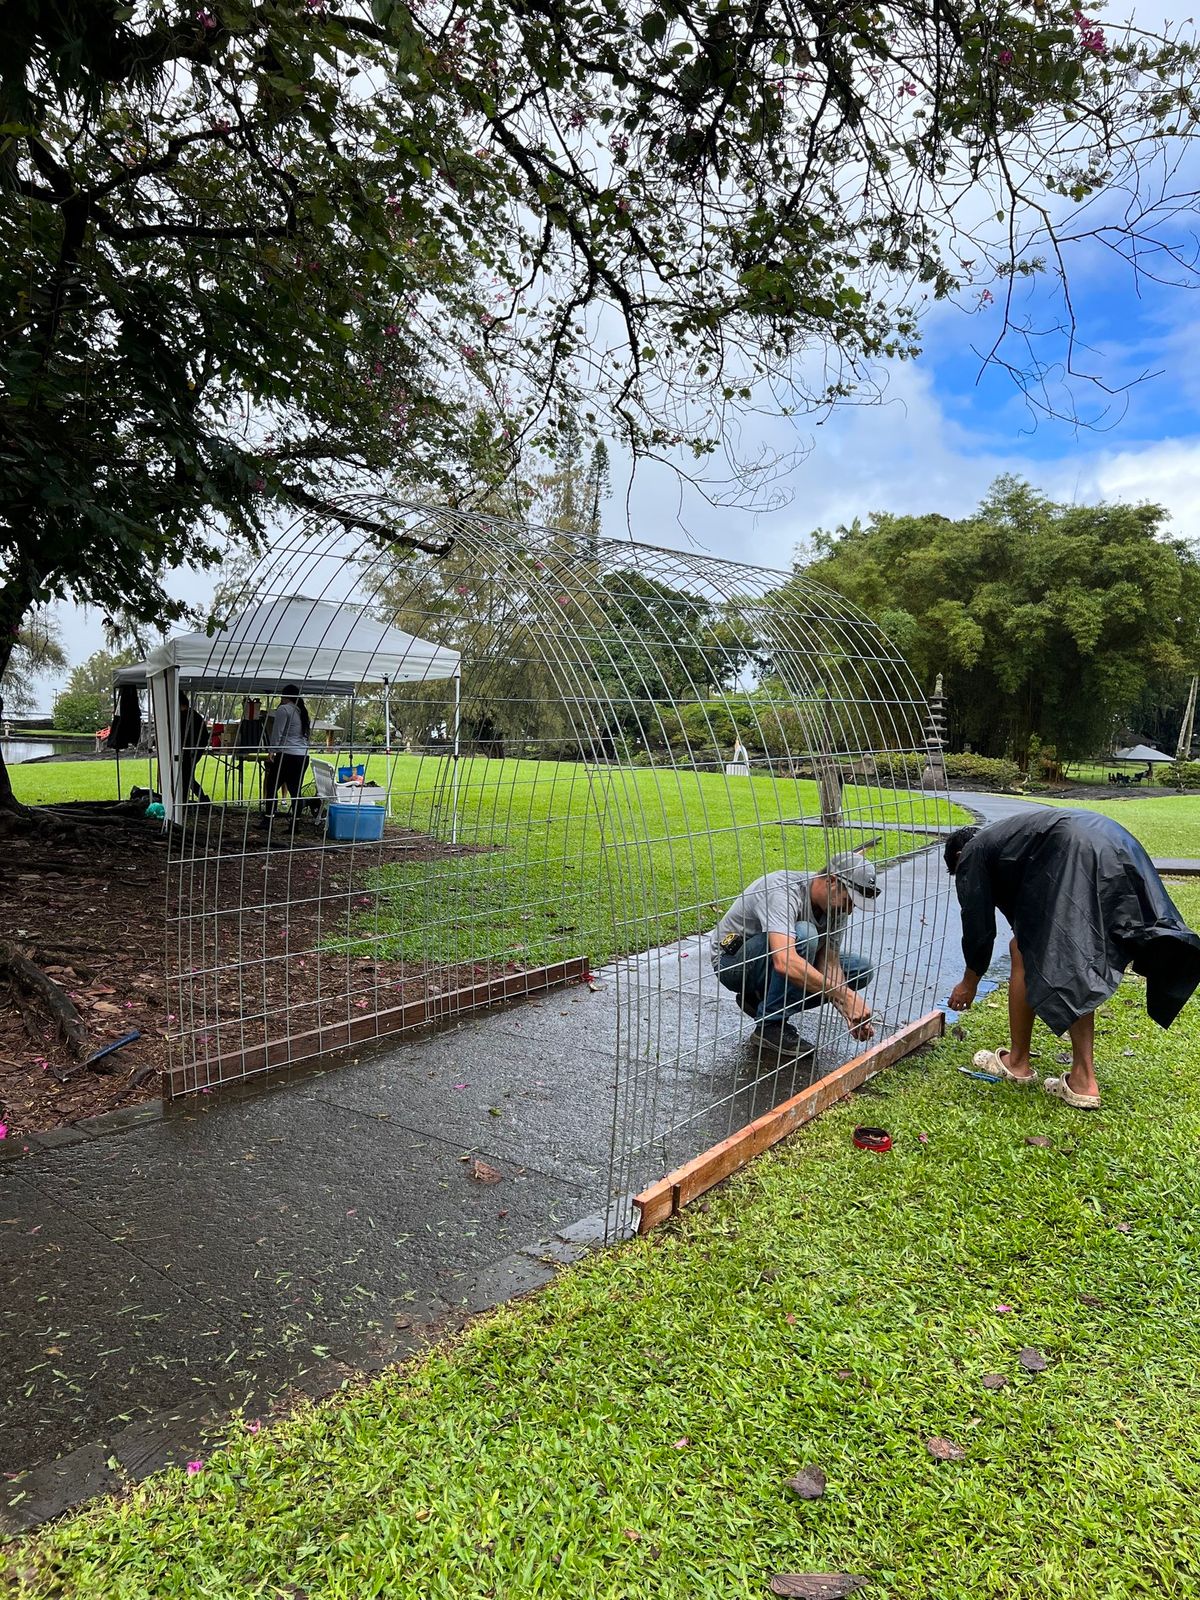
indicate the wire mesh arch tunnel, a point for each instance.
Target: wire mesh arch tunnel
{"x":630,"y":735}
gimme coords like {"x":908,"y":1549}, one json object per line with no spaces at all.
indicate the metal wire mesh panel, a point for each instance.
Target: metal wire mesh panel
{"x":533,"y":761}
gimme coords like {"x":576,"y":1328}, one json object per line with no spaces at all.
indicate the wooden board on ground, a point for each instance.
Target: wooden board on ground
{"x":669,"y":1195}
{"x":189,"y":1077}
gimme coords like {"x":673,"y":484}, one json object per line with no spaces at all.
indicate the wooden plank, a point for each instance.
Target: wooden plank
{"x":332,"y":1038}
{"x":670,"y":1194}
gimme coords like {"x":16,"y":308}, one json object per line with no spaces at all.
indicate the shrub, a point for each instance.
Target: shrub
{"x":995,"y":771}
{"x":1181,"y":775}
{"x":80,"y":713}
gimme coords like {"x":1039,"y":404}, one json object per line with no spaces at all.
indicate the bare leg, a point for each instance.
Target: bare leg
{"x":1082,"y":1076}
{"x":1020,"y":1018}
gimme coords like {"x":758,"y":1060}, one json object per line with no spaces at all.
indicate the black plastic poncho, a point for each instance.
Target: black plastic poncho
{"x":1085,"y":903}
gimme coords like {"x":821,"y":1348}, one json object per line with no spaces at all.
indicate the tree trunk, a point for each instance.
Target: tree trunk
{"x":8,"y":801}
{"x":15,"y":600}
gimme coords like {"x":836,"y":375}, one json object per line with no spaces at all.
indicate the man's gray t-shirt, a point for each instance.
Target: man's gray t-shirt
{"x":775,"y":903}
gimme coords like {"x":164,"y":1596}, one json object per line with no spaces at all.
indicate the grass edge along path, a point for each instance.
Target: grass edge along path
{"x":1167,"y":825}
{"x":630,"y":1430}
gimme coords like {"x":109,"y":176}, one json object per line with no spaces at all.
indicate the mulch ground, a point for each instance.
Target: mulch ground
{"x":87,"y":903}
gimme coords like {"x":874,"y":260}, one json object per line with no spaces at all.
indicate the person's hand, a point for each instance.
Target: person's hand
{"x":962,"y":996}
{"x":857,"y":1014}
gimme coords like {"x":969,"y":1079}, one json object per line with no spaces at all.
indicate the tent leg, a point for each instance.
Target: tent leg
{"x":454,"y":768}
{"x":387,"y":739}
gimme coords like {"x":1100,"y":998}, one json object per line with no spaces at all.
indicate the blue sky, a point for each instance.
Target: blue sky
{"x":946,"y":428}
{"x":943,"y":431}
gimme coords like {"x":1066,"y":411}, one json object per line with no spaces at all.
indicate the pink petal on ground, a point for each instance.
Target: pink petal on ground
{"x":1003,"y":1308}
{"x":459,"y":1085}
{"x":681,"y":1444}
{"x":253,"y":1425}
{"x":923,"y":1138}
{"x":3,"y":1130}
{"x":193,"y":1467}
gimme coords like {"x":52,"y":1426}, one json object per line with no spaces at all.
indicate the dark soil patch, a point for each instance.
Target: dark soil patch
{"x":88,"y":909}
{"x":91,"y":905}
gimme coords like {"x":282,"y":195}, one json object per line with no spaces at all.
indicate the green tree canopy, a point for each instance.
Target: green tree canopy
{"x":81,"y":711}
{"x":1047,"y":620}
{"x":36,"y":649}
{"x":95,"y":675}
{"x":255,"y":250}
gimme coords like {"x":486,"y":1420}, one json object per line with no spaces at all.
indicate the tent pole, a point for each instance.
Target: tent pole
{"x":111,"y":722}
{"x":454,"y":768}
{"x":387,"y":738}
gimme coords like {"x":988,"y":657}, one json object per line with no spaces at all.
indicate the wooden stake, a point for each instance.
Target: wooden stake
{"x":669,"y":1195}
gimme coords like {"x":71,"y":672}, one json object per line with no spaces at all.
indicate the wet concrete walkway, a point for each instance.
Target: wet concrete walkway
{"x":242,"y":1246}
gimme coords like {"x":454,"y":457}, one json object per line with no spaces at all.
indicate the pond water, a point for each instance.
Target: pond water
{"x":14,"y":750}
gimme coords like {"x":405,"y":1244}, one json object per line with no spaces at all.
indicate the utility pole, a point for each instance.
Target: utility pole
{"x":1184,"y":748}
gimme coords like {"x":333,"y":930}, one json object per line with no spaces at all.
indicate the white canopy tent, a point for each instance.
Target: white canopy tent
{"x":1141,"y":752}
{"x":320,"y":647}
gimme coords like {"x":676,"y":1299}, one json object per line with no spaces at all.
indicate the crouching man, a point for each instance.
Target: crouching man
{"x":779,"y":948}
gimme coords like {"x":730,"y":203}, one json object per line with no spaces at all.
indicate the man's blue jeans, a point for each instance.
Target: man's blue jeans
{"x":768,"y":996}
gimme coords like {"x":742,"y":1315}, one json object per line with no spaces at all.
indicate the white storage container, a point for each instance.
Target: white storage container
{"x":353,"y":794}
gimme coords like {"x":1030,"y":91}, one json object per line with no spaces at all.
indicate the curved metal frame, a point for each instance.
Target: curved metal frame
{"x":572,"y":809}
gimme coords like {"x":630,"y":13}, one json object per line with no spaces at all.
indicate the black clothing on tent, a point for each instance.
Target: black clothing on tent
{"x":126,"y":727}
{"x":1085,"y":903}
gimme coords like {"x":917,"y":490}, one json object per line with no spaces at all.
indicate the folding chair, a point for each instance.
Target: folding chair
{"x":326,"y":784}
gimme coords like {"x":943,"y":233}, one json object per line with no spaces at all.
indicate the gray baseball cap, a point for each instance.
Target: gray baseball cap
{"x":857,"y":874}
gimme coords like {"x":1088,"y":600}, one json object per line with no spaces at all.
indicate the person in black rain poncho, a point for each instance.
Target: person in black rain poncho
{"x":1085,"y":903}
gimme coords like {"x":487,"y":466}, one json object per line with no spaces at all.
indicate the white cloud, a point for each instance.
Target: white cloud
{"x":1166,"y":471}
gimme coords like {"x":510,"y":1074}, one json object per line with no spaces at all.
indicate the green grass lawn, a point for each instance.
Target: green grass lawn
{"x":608,"y":863}
{"x":1167,"y":826}
{"x":566,"y":859}
{"x":630,"y":1432}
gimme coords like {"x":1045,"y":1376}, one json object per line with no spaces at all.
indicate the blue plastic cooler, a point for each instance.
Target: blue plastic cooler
{"x":354,"y":822}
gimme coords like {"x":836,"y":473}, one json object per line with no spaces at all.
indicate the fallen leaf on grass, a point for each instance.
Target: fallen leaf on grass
{"x":1040,"y":1140}
{"x":483,"y":1173}
{"x":944,"y":1449}
{"x":816,"y":1585}
{"x":808,"y":1484}
{"x":993,"y":1380}
{"x":1121,"y":1227}
{"x":1032,"y":1360}
{"x":1090,"y":1300}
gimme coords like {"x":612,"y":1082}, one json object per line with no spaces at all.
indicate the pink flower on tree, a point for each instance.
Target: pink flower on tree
{"x":206,"y":20}
{"x":1006,"y":57}
{"x":1091,"y":34}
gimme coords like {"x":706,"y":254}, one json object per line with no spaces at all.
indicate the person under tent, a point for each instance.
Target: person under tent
{"x":286,"y":741}
{"x":193,"y":742}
